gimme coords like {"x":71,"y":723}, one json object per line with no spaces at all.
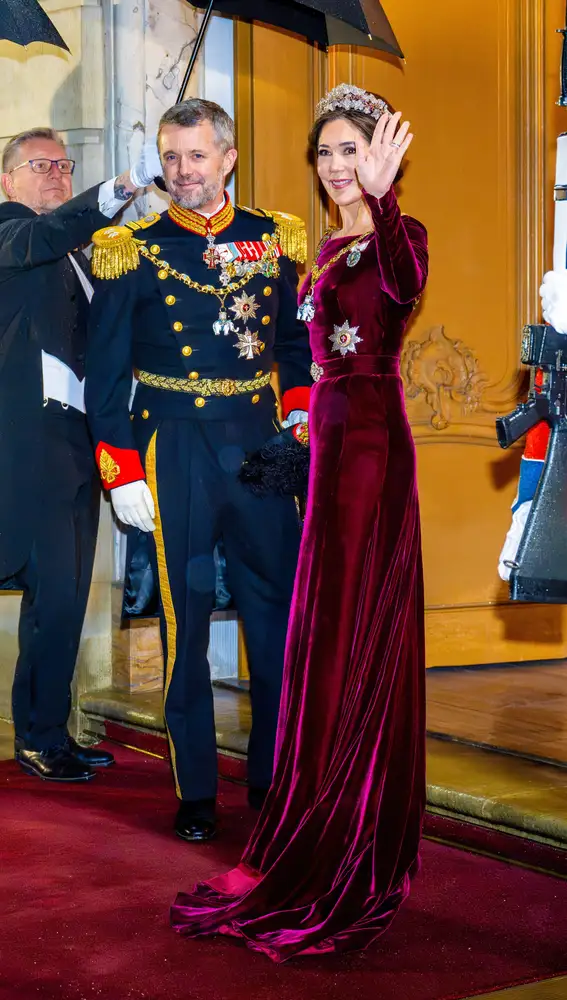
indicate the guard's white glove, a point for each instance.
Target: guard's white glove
{"x":513,"y":539}
{"x":553,"y":292}
{"x":295,"y":417}
{"x":147,"y":166}
{"x":134,"y":505}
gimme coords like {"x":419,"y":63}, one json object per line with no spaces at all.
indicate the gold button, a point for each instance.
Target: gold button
{"x":186,"y":351}
{"x":261,"y":345}
{"x":154,"y":248}
{"x":266,"y":320}
{"x":193,"y":375}
{"x":177,"y":326}
{"x":199,"y":402}
{"x":268,"y":290}
{"x":266,"y":236}
{"x":131,"y":416}
{"x":256,"y":398}
{"x":145,"y":414}
{"x":259,"y":373}
{"x":170,"y":300}
{"x":162,"y":275}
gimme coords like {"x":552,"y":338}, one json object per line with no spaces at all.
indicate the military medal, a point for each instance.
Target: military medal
{"x":345,"y":339}
{"x":248,"y":345}
{"x":223,"y":324}
{"x":245,"y":307}
{"x":355,"y":254}
{"x":306,"y":311}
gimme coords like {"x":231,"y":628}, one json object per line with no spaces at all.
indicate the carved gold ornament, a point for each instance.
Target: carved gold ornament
{"x":444,"y":371}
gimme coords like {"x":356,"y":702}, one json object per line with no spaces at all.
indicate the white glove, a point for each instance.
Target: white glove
{"x":513,"y":539}
{"x":134,"y":505}
{"x":553,"y":292}
{"x":147,"y":166}
{"x":295,"y":417}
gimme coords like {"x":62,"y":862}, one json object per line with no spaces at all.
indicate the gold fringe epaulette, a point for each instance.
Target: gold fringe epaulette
{"x":115,"y":249}
{"x":290,"y":232}
{"x":291,"y":235}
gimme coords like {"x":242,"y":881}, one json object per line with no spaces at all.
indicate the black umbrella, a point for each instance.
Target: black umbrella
{"x":327,"y":22}
{"x":24,"y":21}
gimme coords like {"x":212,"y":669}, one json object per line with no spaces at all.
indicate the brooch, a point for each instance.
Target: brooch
{"x":345,"y":339}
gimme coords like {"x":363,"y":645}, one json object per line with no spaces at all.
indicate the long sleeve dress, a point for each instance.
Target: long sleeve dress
{"x":335,"y":847}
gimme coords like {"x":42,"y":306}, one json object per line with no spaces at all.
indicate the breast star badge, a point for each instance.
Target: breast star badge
{"x":248,"y":345}
{"x":345,"y":339}
{"x":245,"y":306}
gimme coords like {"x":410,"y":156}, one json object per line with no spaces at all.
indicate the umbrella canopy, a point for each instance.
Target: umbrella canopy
{"x":327,"y":22}
{"x":24,"y":21}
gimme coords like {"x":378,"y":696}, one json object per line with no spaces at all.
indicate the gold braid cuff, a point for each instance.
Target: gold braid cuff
{"x":204,"y":386}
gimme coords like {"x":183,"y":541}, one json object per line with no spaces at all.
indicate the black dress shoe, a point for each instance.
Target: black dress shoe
{"x":88,"y":755}
{"x":55,"y":764}
{"x":257,"y":797}
{"x":195,"y":821}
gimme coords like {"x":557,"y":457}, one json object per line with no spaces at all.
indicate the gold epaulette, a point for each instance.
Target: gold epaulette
{"x":115,"y":249}
{"x":291,"y":235}
{"x":290,"y":232}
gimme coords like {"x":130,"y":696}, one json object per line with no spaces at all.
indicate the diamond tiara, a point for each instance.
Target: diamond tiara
{"x":347,"y":97}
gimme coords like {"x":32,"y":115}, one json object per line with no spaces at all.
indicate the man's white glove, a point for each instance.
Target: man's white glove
{"x":295,"y":417}
{"x":513,"y":539}
{"x":553,"y":292}
{"x":134,"y":505}
{"x":147,"y":166}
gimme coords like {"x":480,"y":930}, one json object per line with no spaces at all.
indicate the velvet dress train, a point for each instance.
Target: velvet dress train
{"x":333,"y":852}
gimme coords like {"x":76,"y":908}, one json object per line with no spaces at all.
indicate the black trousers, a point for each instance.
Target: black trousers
{"x":192,"y":469}
{"x":55,"y":580}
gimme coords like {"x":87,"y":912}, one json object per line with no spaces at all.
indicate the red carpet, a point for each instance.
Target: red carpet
{"x":88,"y":873}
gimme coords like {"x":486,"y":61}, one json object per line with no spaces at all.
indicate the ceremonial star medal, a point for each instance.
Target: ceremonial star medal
{"x":345,"y":339}
{"x":248,"y":345}
{"x":245,"y":307}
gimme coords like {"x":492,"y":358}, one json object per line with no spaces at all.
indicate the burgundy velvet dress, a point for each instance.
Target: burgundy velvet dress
{"x":333,"y":852}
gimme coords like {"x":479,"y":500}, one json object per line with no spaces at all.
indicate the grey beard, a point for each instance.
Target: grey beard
{"x":202,"y":196}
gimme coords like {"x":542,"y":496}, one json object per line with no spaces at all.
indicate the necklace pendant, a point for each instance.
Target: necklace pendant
{"x":223,"y":325}
{"x":306,"y":311}
{"x":353,"y":257}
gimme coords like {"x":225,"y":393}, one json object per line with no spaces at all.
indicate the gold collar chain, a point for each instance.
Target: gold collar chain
{"x":316,"y":271}
{"x":268,"y":265}
{"x":256,"y":267}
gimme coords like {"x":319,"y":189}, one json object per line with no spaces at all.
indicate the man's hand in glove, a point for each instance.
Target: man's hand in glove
{"x":134,"y":505}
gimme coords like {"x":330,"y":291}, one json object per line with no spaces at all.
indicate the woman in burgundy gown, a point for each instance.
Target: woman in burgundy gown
{"x":333,"y":852}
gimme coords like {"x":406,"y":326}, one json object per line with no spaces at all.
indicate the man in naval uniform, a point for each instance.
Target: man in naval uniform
{"x":50,"y":499}
{"x":203,"y":303}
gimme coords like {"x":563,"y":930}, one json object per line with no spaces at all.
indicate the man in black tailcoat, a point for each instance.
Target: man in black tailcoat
{"x":50,"y":498}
